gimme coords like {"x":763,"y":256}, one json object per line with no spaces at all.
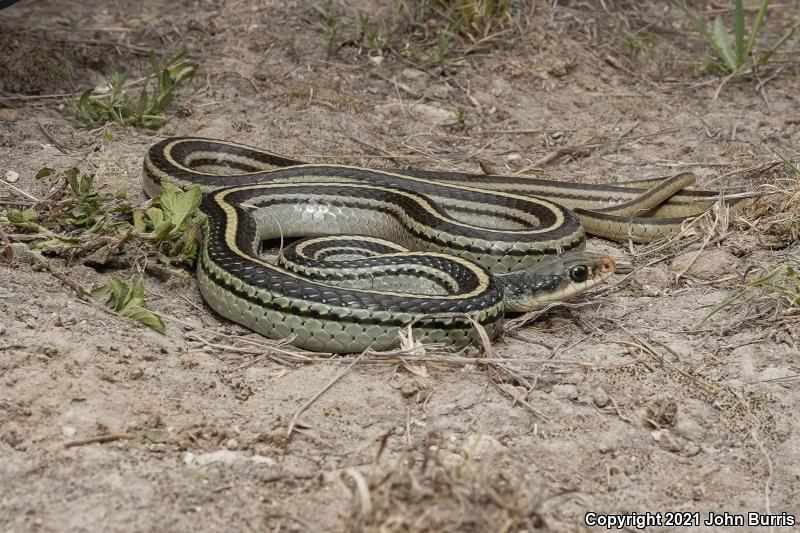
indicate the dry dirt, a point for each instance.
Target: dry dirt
{"x":630,"y":406}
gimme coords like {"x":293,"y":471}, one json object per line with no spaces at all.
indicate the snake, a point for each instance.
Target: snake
{"x":445,"y":253}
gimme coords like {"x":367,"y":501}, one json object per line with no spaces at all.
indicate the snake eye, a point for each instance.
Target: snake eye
{"x":579,"y":273}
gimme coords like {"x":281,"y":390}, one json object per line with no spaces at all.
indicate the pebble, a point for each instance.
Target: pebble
{"x":428,"y":114}
{"x":692,"y":449}
{"x":11,"y":176}
{"x":220,"y":456}
{"x":568,"y":392}
{"x":600,"y":397}
{"x":224,"y":457}
{"x":667,"y":440}
{"x":232,"y":444}
{"x":414,"y":74}
{"x":479,"y":445}
{"x":688,"y":429}
{"x":81,"y":355}
{"x":69,"y":431}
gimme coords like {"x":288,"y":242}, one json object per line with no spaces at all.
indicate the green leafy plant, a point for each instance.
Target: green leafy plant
{"x":173,"y":223}
{"x":127,"y":299}
{"x":732,"y":55}
{"x":147,"y":111}
{"x":78,"y":220}
{"x":23,"y":219}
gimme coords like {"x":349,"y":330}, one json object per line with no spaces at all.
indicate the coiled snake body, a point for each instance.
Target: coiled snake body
{"x":438,"y":250}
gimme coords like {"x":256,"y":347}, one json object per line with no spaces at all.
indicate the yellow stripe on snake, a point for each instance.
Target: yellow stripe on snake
{"x":392,"y":248}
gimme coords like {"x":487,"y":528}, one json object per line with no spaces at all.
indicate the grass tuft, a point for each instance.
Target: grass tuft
{"x":145,"y":111}
{"x":736,"y":56}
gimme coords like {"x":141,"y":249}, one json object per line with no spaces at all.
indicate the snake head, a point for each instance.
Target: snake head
{"x":552,"y":280}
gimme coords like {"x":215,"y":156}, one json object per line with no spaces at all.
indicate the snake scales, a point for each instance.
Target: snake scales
{"x":439,"y":250}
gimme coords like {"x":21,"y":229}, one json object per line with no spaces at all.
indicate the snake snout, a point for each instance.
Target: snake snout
{"x":607,"y":265}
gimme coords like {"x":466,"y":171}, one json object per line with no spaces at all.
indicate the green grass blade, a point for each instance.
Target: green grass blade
{"x":763,"y":58}
{"x":751,"y":41}
{"x":727,"y":302}
{"x":738,"y":31}
{"x":723,"y":44}
{"x":695,"y":18}
{"x":789,"y":163}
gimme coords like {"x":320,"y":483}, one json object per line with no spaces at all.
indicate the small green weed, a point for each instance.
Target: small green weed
{"x":172,"y":224}
{"x":634,"y":43}
{"x":78,"y":220}
{"x":333,"y":26}
{"x":146,"y":111}
{"x":476,"y":16}
{"x":370,"y":37}
{"x":127,"y":299}
{"x":732,"y":56}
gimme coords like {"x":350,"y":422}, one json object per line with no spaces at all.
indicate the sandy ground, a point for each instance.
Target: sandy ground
{"x":628,"y":406}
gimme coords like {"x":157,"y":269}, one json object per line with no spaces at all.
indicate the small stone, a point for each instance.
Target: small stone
{"x":14,"y":439}
{"x":11,"y":176}
{"x":480,"y":445}
{"x":688,"y":429}
{"x":69,"y":431}
{"x":188,"y":458}
{"x":232,"y":444}
{"x":667,"y":440}
{"x":567,"y":392}
{"x":600,"y":397}
{"x":220,"y":456}
{"x":136,"y":373}
{"x":414,"y":74}
{"x":408,"y":389}
{"x":452,"y":460}
{"x":692,"y":449}
{"x":81,"y":355}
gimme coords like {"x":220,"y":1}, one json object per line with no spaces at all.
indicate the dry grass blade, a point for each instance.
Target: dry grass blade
{"x":361,"y":490}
